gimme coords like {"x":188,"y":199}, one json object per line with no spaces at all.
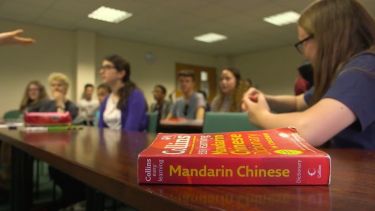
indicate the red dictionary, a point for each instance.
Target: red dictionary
{"x":47,"y":118}
{"x":264,"y":157}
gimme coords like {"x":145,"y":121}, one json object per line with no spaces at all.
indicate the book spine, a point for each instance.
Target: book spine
{"x":234,"y":171}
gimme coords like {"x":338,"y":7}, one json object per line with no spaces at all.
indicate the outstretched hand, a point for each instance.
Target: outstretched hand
{"x":12,"y":37}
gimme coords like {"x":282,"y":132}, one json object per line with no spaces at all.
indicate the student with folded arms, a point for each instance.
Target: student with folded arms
{"x":337,"y":37}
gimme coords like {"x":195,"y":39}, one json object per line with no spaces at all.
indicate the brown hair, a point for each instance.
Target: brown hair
{"x":124,"y":92}
{"x":26,"y":101}
{"x":187,"y":73}
{"x":341,"y":29}
{"x":240,"y":89}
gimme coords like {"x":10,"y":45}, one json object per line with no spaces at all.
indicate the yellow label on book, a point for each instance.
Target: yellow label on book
{"x":288,"y":152}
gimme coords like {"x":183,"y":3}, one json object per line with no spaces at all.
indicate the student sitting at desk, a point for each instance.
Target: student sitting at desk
{"x":160,"y":105}
{"x":59,"y":84}
{"x":341,"y":105}
{"x":231,"y":90}
{"x":34,"y":97}
{"x":192,"y":104}
{"x":87,"y":105}
{"x":125,"y":108}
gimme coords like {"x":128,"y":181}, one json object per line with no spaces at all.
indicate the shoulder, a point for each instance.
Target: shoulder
{"x":136,"y":93}
{"x":364,"y":61}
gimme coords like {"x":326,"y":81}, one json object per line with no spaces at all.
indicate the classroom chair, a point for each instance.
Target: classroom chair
{"x":12,"y":115}
{"x":152,"y":122}
{"x":227,"y":122}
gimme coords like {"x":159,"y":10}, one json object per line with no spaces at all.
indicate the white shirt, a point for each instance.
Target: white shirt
{"x":112,"y":115}
{"x":87,"y":108}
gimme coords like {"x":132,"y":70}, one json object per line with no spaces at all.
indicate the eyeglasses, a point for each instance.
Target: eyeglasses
{"x":106,"y":67}
{"x":299,"y":45}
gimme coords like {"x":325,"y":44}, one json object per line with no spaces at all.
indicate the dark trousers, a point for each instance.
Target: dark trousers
{"x":72,"y":190}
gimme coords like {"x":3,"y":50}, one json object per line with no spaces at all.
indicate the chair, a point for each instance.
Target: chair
{"x":152,"y":122}
{"x":227,"y":122}
{"x":12,"y":115}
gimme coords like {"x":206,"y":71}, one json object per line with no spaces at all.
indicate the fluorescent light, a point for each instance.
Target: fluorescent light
{"x":210,"y":37}
{"x":109,"y":14}
{"x":282,"y":18}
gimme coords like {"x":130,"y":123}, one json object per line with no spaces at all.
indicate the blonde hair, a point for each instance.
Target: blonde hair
{"x":341,"y":29}
{"x":58,"y":77}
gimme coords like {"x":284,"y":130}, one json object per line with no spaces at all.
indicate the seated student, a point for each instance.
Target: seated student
{"x":103,"y":92}
{"x":34,"y":97}
{"x":59,"y":84}
{"x":192,"y":104}
{"x":341,"y":105}
{"x":72,"y":190}
{"x":304,"y":79}
{"x":125,"y":108}
{"x":231,"y":90}
{"x":160,"y":105}
{"x":87,"y":105}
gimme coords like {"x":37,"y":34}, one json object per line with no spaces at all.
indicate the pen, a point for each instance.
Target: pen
{"x":51,"y":128}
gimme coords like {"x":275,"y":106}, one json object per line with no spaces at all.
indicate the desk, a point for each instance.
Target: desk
{"x":180,"y":126}
{"x":107,"y":161}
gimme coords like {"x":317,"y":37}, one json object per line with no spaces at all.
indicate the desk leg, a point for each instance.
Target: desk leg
{"x":22,"y":180}
{"x":95,"y":200}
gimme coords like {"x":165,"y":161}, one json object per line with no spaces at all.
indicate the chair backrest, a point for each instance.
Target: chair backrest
{"x":227,"y":122}
{"x":12,"y":115}
{"x":152,"y":122}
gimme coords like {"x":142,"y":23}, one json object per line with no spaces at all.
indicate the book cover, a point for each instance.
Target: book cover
{"x":264,"y":157}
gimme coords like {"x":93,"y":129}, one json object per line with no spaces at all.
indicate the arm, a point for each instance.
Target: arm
{"x":200,"y":113}
{"x":136,"y":112}
{"x":317,"y":124}
{"x":13,"y":37}
{"x":286,"y":103}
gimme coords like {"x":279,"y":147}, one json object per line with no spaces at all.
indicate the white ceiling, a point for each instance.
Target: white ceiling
{"x":171,"y":23}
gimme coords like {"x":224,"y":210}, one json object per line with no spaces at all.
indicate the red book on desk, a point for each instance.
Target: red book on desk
{"x":265,"y":157}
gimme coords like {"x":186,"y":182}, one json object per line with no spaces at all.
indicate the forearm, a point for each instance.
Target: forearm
{"x":200,"y":113}
{"x":298,"y":120}
{"x":285,"y":103}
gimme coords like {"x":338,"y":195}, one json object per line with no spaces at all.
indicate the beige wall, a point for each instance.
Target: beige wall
{"x":54,"y":51}
{"x":273,"y":71}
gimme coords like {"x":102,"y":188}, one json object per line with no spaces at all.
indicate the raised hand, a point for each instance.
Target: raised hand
{"x":12,"y":37}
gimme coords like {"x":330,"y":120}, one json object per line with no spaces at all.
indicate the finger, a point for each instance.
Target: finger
{"x":16,"y":32}
{"x":24,"y":40}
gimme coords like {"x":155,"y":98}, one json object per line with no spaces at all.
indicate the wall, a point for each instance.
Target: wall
{"x":273,"y":71}
{"x":54,"y":51}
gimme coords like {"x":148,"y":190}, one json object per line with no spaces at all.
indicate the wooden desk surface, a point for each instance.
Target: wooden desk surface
{"x":107,"y":161}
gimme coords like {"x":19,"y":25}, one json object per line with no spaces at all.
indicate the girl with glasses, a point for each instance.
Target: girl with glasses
{"x":337,"y":37}
{"x":125,"y":108}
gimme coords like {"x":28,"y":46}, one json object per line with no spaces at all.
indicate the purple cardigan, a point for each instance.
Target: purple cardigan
{"x":133,"y":116}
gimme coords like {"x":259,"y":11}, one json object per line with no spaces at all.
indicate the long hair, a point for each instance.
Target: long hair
{"x":26,"y":101}
{"x":124,"y":92}
{"x":341,"y":29}
{"x":238,"y":92}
